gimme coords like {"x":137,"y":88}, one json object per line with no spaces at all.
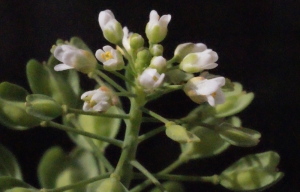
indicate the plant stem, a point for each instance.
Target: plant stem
{"x":151,"y":133}
{"x":124,"y":168}
{"x":168,"y":169}
{"x":110,"y":81}
{"x":92,"y":113}
{"x":155,"y":115}
{"x":78,"y":184}
{"x":115,"y":142}
{"x":145,"y":172}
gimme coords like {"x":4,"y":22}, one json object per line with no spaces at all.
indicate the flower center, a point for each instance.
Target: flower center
{"x":106,"y":56}
{"x":155,"y":78}
{"x":214,"y":94}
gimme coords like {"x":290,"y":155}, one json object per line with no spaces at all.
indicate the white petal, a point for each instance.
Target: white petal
{"x":98,"y":55}
{"x":210,"y":66}
{"x":159,"y":81}
{"x":105,"y":17}
{"x":62,"y":67}
{"x":153,"y":16}
{"x":199,"y":47}
{"x":164,"y":20}
{"x":88,"y":93}
{"x":58,"y":53}
{"x":211,"y":100}
{"x":220,"y":97}
{"x":207,"y":88}
{"x":107,"y":48}
{"x":219,"y":80}
{"x":101,"y":106}
{"x":86,"y":107}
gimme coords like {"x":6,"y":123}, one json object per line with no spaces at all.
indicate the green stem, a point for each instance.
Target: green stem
{"x":92,"y":113}
{"x":171,"y":61}
{"x":110,"y":81}
{"x":78,"y":184}
{"x":155,"y":115}
{"x":166,"y":89}
{"x":124,"y":168}
{"x":151,"y":133}
{"x":122,"y":77}
{"x":214,"y":179}
{"x":168,"y":169}
{"x":115,"y":142}
{"x":145,"y":172}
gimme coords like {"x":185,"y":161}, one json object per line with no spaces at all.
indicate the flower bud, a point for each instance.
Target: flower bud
{"x":136,"y":41}
{"x":157,"y":50}
{"x":235,"y":101}
{"x":107,"y":185}
{"x":159,"y":63}
{"x":253,"y":172}
{"x":180,"y":134}
{"x":112,"y":29}
{"x":156,"y":29}
{"x":72,"y":57}
{"x":239,"y":136}
{"x":177,"y":76}
{"x":112,"y":59}
{"x":184,"y":49}
{"x":143,"y":60}
{"x":197,"y":62}
{"x":42,"y":107}
{"x":150,"y":79}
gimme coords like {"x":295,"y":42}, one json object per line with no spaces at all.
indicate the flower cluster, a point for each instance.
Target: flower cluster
{"x":147,"y":65}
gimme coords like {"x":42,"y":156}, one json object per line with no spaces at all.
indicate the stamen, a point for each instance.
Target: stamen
{"x":107,"y":56}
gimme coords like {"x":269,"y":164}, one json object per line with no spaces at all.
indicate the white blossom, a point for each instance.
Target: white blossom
{"x":72,"y":57}
{"x":150,"y":79}
{"x":97,"y":100}
{"x":201,"y":90}
{"x":111,"y":58}
{"x":184,"y":49}
{"x":159,"y":63}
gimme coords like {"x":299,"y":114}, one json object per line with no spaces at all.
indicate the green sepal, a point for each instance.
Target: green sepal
{"x":238,"y":136}
{"x":79,"y":43}
{"x":8,"y":164}
{"x":177,"y":76}
{"x":42,"y":107}
{"x":171,"y":186}
{"x":8,"y":183}
{"x":62,"y":86}
{"x":58,"y":169}
{"x":12,"y":107}
{"x":252,"y":172}
{"x":235,"y":102}
{"x":107,"y":185}
{"x":102,"y":126}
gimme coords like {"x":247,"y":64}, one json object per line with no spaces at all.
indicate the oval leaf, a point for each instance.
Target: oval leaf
{"x":8,"y":164}
{"x":7,"y":183}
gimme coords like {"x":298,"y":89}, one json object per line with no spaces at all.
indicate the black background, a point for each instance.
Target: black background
{"x":257,"y":43}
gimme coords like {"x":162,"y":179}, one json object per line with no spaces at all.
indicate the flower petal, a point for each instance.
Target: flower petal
{"x":62,"y":67}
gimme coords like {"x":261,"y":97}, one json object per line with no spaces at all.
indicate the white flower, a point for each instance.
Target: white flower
{"x":97,"y":100}
{"x":126,"y":39}
{"x":111,"y":58}
{"x":72,"y":57}
{"x":184,"y":49}
{"x":150,"y":79}
{"x":159,"y":63}
{"x":112,"y":29}
{"x":200,"y":90}
{"x":197,"y":62}
{"x":156,"y":29}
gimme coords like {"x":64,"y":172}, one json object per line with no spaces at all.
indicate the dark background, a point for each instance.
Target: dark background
{"x":257,"y":43}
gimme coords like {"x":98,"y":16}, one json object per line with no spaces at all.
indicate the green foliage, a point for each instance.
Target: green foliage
{"x":171,"y":186}
{"x":8,"y":164}
{"x":12,"y":107}
{"x":10,"y":184}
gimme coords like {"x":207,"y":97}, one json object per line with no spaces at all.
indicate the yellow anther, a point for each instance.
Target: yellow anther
{"x":155,"y":78}
{"x":106,"y":56}
{"x":214,"y":94}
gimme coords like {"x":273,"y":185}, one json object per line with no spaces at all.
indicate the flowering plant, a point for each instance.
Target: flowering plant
{"x":93,"y":118}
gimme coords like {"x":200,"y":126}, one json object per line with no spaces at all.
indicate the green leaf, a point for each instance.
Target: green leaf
{"x":12,"y":107}
{"x":53,"y":162}
{"x":235,"y":102}
{"x":58,"y":169}
{"x":8,"y":164}
{"x":107,"y":185}
{"x":62,"y":86}
{"x":7,"y":183}
{"x":211,"y":144}
{"x":239,"y":136}
{"x":101,"y":126}
{"x":42,"y":107}
{"x":21,"y":189}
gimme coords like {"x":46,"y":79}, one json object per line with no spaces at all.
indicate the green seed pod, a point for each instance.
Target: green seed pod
{"x":12,"y":108}
{"x":42,"y":107}
{"x":239,"y":136}
{"x":180,"y":134}
{"x":107,"y":185}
